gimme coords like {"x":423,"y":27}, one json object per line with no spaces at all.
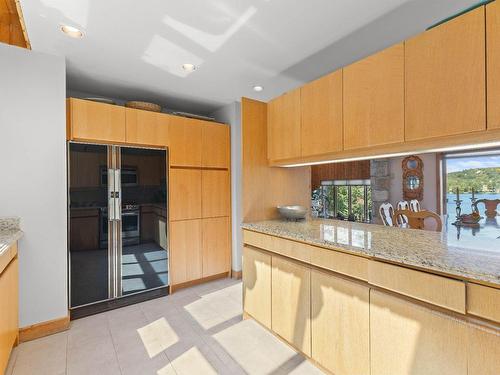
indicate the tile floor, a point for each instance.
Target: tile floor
{"x":195,"y":331}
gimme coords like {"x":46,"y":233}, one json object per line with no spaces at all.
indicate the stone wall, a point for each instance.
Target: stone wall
{"x":380,"y":176}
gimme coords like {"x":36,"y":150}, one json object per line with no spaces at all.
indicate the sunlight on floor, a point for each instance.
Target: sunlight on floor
{"x":157,"y":336}
{"x":191,"y":361}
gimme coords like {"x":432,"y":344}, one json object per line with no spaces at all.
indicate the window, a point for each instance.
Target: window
{"x":472,"y":171}
{"x":343,"y":199}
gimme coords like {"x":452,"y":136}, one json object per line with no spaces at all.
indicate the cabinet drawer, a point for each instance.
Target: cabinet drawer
{"x":336,"y":261}
{"x":483,"y":301}
{"x":437,"y":290}
{"x":287,"y":248}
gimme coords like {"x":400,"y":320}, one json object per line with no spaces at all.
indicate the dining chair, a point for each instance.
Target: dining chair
{"x":402,"y":205}
{"x":414,"y":205}
{"x":416,"y":219}
{"x":386,"y":210}
{"x":490,"y":205}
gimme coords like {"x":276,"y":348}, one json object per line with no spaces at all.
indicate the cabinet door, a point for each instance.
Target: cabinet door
{"x":321,"y":112}
{"x":493,"y":63}
{"x":185,"y":251}
{"x":185,"y":194}
{"x":283,"y":126}
{"x":216,"y":244}
{"x":291,"y":302}
{"x":216,"y":193}
{"x":146,"y":128}
{"x":9,"y":307}
{"x":185,"y":142}
{"x":215,"y":145}
{"x":97,"y":121}
{"x":409,"y":339}
{"x":483,"y":351}
{"x":340,"y":324}
{"x":445,"y":79}
{"x":374,"y":100}
{"x":257,"y":285}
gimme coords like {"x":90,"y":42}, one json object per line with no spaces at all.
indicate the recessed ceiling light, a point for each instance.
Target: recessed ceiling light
{"x":189,"y":67}
{"x":72,"y":31}
{"x":258,"y":88}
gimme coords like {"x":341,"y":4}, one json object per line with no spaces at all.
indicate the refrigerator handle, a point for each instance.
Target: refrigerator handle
{"x":118,"y":195}
{"x":111,"y":194}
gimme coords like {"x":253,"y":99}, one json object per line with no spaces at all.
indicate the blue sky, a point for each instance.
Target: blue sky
{"x":455,"y":165}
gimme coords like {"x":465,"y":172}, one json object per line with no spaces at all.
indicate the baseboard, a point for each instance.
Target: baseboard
{"x":176,"y":287}
{"x":42,"y":329}
{"x":236,"y":274}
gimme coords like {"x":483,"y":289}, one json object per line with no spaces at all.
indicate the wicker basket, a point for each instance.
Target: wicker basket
{"x":145,"y":106}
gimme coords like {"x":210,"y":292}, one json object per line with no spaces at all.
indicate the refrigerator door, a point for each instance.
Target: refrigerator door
{"x":143,"y":259}
{"x":90,"y":270}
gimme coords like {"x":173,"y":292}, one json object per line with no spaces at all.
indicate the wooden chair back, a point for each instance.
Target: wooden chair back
{"x":415,"y":205}
{"x":416,"y":219}
{"x":490,"y":205}
{"x":386,"y":211}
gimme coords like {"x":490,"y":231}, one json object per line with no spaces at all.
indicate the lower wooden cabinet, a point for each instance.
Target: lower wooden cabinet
{"x":185,"y":251}
{"x":340,"y":324}
{"x":291,"y":303}
{"x":483,"y":351}
{"x":216,"y":246}
{"x":9,"y":311}
{"x":409,"y":339}
{"x":215,"y":193}
{"x":185,"y":194}
{"x":257,"y":285}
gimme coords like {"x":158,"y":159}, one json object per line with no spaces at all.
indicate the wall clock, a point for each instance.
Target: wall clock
{"x":413,"y":178}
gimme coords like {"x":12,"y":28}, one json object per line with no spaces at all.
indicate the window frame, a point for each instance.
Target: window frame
{"x":364,"y":183}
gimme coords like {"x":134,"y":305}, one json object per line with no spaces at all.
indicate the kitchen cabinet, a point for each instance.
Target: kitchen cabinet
{"x":185,"y":194}
{"x":374,"y":100}
{"x":340,"y":324}
{"x":92,"y":121}
{"x":9,"y":306}
{"x":321,"y":115}
{"x":185,"y":146}
{"x":406,"y":338}
{"x":445,"y":79}
{"x":283,"y":126}
{"x":291,"y":303}
{"x":185,"y":251}
{"x":216,"y":246}
{"x":493,"y":63}
{"x":146,"y":128}
{"x":257,"y":285}
{"x":483,"y":351}
{"x":216,"y":145}
{"x":216,"y":193}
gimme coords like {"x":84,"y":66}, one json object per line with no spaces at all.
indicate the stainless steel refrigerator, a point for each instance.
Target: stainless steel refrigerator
{"x":118,"y":240}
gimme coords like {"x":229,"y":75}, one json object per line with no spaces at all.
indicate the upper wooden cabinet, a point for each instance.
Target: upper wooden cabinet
{"x":321,"y":112}
{"x":283,"y":126}
{"x":215,"y":193}
{"x":215,"y":145}
{"x":374,"y":108}
{"x":184,"y":194}
{"x":185,"y":142}
{"x":94,"y":121}
{"x":146,"y":128}
{"x":493,"y":63}
{"x":445,"y":79}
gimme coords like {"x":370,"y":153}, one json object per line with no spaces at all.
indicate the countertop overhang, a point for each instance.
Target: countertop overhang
{"x":420,"y":249}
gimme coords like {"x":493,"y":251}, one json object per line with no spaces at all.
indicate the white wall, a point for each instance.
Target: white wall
{"x":33,"y":176}
{"x":430,"y":186}
{"x":231,"y":114}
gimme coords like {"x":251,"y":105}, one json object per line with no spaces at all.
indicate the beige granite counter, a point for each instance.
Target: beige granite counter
{"x":431,"y":251}
{"x":10,"y":232}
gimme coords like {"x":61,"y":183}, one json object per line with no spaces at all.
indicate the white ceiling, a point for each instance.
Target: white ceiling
{"x":134,"y":49}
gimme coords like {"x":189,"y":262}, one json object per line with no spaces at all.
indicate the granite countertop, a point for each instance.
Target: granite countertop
{"x":432,"y":251}
{"x":10,"y":232}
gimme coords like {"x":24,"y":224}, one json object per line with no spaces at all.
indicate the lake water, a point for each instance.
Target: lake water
{"x":466,"y":202}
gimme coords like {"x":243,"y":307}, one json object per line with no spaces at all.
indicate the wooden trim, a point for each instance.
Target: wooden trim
{"x":236,"y":274}
{"x":187,"y":284}
{"x":43,"y":329}
{"x":23,"y":24}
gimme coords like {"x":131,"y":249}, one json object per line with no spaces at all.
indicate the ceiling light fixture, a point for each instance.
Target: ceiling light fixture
{"x":72,"y":31}
{"x":258,"y":88}
{"x":189,"y":67}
